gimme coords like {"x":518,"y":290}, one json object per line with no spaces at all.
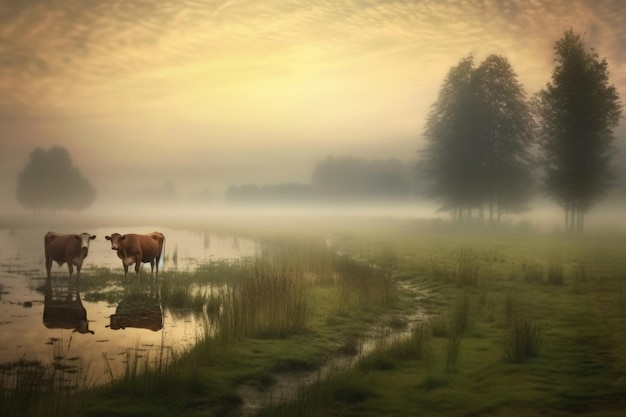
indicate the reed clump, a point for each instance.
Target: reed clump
{"x":273,"y":300}
{"x":467,"y":266}
{"x":440,"y":269}
{"x":523,"y":336}
{"x":458,"y":326}
{"x":363,"y":285}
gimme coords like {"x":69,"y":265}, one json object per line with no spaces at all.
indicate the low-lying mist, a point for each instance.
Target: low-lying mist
{"x":543,"y":216}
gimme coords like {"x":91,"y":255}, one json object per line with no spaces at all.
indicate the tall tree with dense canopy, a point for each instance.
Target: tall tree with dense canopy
{"x":505,"y":135}
{"x":447,"y":135}
{"x":50,"y":181}
{"x":478,"y":133}
{"x":577,"y":112}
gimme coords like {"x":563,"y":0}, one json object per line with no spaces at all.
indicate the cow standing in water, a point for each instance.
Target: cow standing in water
{"x":70,"y":249}
{"x":135,"y":249}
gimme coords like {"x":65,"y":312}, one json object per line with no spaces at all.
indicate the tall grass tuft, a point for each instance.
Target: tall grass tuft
{"x":459,"y":324}
{"x":523,"y":336}
{"x":453,"y":324}
{"x":555,"y":270}
{"x":363,"y":285}
{"x":453,"y":347}
{"x":439,"y":269}
{"x":467,"y":268}
{"x":271,"y":301}
{"x":460,"y":315}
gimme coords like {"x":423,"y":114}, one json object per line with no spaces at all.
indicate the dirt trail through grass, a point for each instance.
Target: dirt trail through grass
{"x":286,"y":384}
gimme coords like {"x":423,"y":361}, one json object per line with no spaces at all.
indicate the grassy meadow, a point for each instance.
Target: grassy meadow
{"x":499,"y":322}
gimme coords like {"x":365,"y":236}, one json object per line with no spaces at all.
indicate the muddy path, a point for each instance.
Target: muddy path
{"x":287,"y":384}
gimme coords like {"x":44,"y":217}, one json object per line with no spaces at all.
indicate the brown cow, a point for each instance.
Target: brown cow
{"x":70,"y":249}
{"x":135,"y":249}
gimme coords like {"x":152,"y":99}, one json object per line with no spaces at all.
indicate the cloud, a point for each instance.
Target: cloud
{"x":81,"y":44}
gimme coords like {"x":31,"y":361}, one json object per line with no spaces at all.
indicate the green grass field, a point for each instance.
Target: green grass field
{"x":511,"y":323}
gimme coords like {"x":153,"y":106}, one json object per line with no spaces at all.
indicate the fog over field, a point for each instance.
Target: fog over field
{"x":177,"y":106}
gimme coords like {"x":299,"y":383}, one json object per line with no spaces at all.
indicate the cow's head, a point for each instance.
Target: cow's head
{"x":115,"y":239}
{"x":84,"y":239}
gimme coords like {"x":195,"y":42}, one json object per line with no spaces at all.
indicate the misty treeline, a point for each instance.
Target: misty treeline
{"x":485,"y":139}
{"x":51,"y":182}
{"x":338,"y":179}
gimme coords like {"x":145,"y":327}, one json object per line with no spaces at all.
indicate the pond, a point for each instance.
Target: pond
{"x":38,"y":318}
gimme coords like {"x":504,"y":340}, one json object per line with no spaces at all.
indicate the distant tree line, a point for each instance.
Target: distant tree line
{"x":478,"y":159}
{"x":51,"y":182}
{"x":354,"y":178}
{"x":338,"y":179}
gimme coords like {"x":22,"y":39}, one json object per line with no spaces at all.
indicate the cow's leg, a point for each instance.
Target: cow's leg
{"x":152,"y":268}
{"x":125,"y":270}
{"x":78,"y":270}
{"x":48,"y":265}
{"x":137,"y":266}
{"x":158,"y":259}
{"x":70,"y":266}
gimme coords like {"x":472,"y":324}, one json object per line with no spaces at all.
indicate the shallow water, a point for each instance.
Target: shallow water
{"x":54,"y":320}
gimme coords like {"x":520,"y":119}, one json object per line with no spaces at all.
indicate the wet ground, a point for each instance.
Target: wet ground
{"x":66,"y":320}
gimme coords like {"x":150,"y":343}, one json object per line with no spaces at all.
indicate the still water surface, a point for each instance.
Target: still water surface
{"x":31,"y":326}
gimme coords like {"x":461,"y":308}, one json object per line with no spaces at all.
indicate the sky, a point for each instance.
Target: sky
{"x":211,"y":93}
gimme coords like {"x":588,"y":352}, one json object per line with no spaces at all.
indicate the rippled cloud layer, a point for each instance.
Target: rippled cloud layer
{"x":193,"y":77}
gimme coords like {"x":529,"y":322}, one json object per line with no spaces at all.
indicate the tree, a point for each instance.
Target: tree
{"x":505,"y":134}
{"x":478,"y":133}
{"x":51,"y":181}
{"x":577,"y":112}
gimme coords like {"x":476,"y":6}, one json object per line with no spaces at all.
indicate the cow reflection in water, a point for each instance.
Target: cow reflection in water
{"x":138,"y":310}
{"x":63,"y":307}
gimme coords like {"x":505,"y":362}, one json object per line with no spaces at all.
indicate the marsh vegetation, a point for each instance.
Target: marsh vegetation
{"x":502,"y":321}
